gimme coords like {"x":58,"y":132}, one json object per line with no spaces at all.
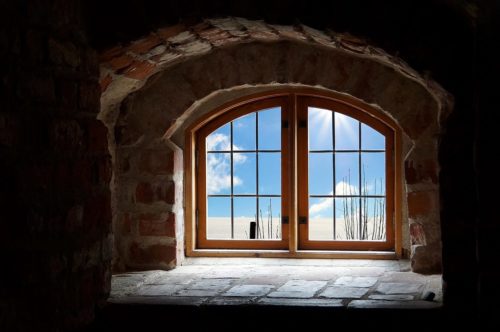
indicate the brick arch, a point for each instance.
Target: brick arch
{"x":153,"y":87}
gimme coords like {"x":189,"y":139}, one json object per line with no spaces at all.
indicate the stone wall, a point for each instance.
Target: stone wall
{"x":152,"y":86}
{"x":55,"y":218}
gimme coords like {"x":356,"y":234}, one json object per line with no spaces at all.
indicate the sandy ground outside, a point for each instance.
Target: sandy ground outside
{"x":320,"y":229}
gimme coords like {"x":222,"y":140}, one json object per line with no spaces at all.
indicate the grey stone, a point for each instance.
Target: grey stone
{"x":298,"y":295}
{"x":196,"y":292}
{"x":157,"y":290}
{"x":160,"y":300}
{"x":211,"y":284}
{"x":301,"y":302}
{"x":398,"y":288}
{"x":298,"y":289}
{"x":249,"y":290}
{"x":230,"y":301}
{"x":302,"y":286}
{"x":342,"y":292}
{"x":368,"y":304}
{"x":397,"y":297}
{"x":356,"y":281}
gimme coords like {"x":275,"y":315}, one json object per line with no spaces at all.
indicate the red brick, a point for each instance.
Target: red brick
{"x":105,"y":82}
{"x":160,"y":191}
{"x":120,"y":63}
{"x":417,"y":234}
{"x":140,"y":70}
{"x":421,"y":203}
{"x":170,"y":195}
{"x":156,"y":162}
{"x":153,"y":254}
{"x":126,"y":224}
{"x":157,"y":224}
{"x":144,"y":193}
{"x":421,"y":171}
{"x":171,"y":31}
{"x":144,"y":45}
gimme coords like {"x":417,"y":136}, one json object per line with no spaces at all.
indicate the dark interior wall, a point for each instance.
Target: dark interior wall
{"x":54,"y":216}
{"x":54,"y":170}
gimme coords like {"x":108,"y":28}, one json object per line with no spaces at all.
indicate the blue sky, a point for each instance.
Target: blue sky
{"x":320,"y":164}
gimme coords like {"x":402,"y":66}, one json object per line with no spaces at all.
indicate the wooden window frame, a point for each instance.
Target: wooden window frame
{"x":294,"y":100}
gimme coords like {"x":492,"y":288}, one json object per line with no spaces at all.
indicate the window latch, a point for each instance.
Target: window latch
{"x":303,"y":220}
{"x":284,"y":220}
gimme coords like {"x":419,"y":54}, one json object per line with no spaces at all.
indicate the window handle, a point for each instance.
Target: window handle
{"x":284,"y":220}
{"x":303,"y":220}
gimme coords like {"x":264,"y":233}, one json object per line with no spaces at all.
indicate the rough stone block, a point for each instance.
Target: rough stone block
{"x":151,"y":254}
{"x":140,"y":70}
{"x":342,"y":292}
{"x":156,"y":162}
{"x":162,"y":224}
{"x":421,"y":203}
{"x":249,"y":290}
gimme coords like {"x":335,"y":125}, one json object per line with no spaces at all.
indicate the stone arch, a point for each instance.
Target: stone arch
{"x":154,"y":87}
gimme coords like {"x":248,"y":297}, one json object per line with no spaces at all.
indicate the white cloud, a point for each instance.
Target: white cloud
{"x":344,"y":188}
{"x":218,"y":142}
{"x":219,"y":165}
{"x":322,"y":205}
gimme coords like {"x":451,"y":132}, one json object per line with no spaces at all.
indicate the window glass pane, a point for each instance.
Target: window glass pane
{"x":244,"y":132}
{"x":270,"y":129}
{"x":373,"y":173}
{"x":220,"y":139}
{"x":346,"y":132}
{"x":320,"y":129}
{"x":373,"y":219}
{"x":244,"y":170}
{"x":320,"y":173}
{"x":347,"y":173}
{"x":320,"y":219}
{"x":347,"y":218}
{"x":218,"y":218}
{"x":270,"y":173}
{"x":244,"y":214}
{"x":218,"y":173}
{"x":269,"y":218}
{"x":371,"y":139}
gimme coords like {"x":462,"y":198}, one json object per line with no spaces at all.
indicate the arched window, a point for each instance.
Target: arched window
{"x":295,"y":172}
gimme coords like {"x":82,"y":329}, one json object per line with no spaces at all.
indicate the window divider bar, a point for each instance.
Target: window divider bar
{"x":343,"y":151}
{"x":334,"y":190}
{"x":257,"y":172}
{"x":232,"y":182}
{"x":247,"y":151}
{"x":359,"y":183}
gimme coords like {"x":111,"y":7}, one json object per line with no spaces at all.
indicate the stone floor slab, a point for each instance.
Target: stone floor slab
{"x":230,"y":301}
{"x":211,"y":284}
{"x":296,"y":295}
{"x":159,"y":300}
{"x":197,"y":292}
{"x":301,"y":302}
{"x":157,"y":290}
{"x":249,"y":290}
{"x":398,"y":288}
{"x":342,"y":292}
{"x":396,"y":297}
{"x":356,"y":281}
{"x":302,"y":286}
{"x":372,"y":304}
